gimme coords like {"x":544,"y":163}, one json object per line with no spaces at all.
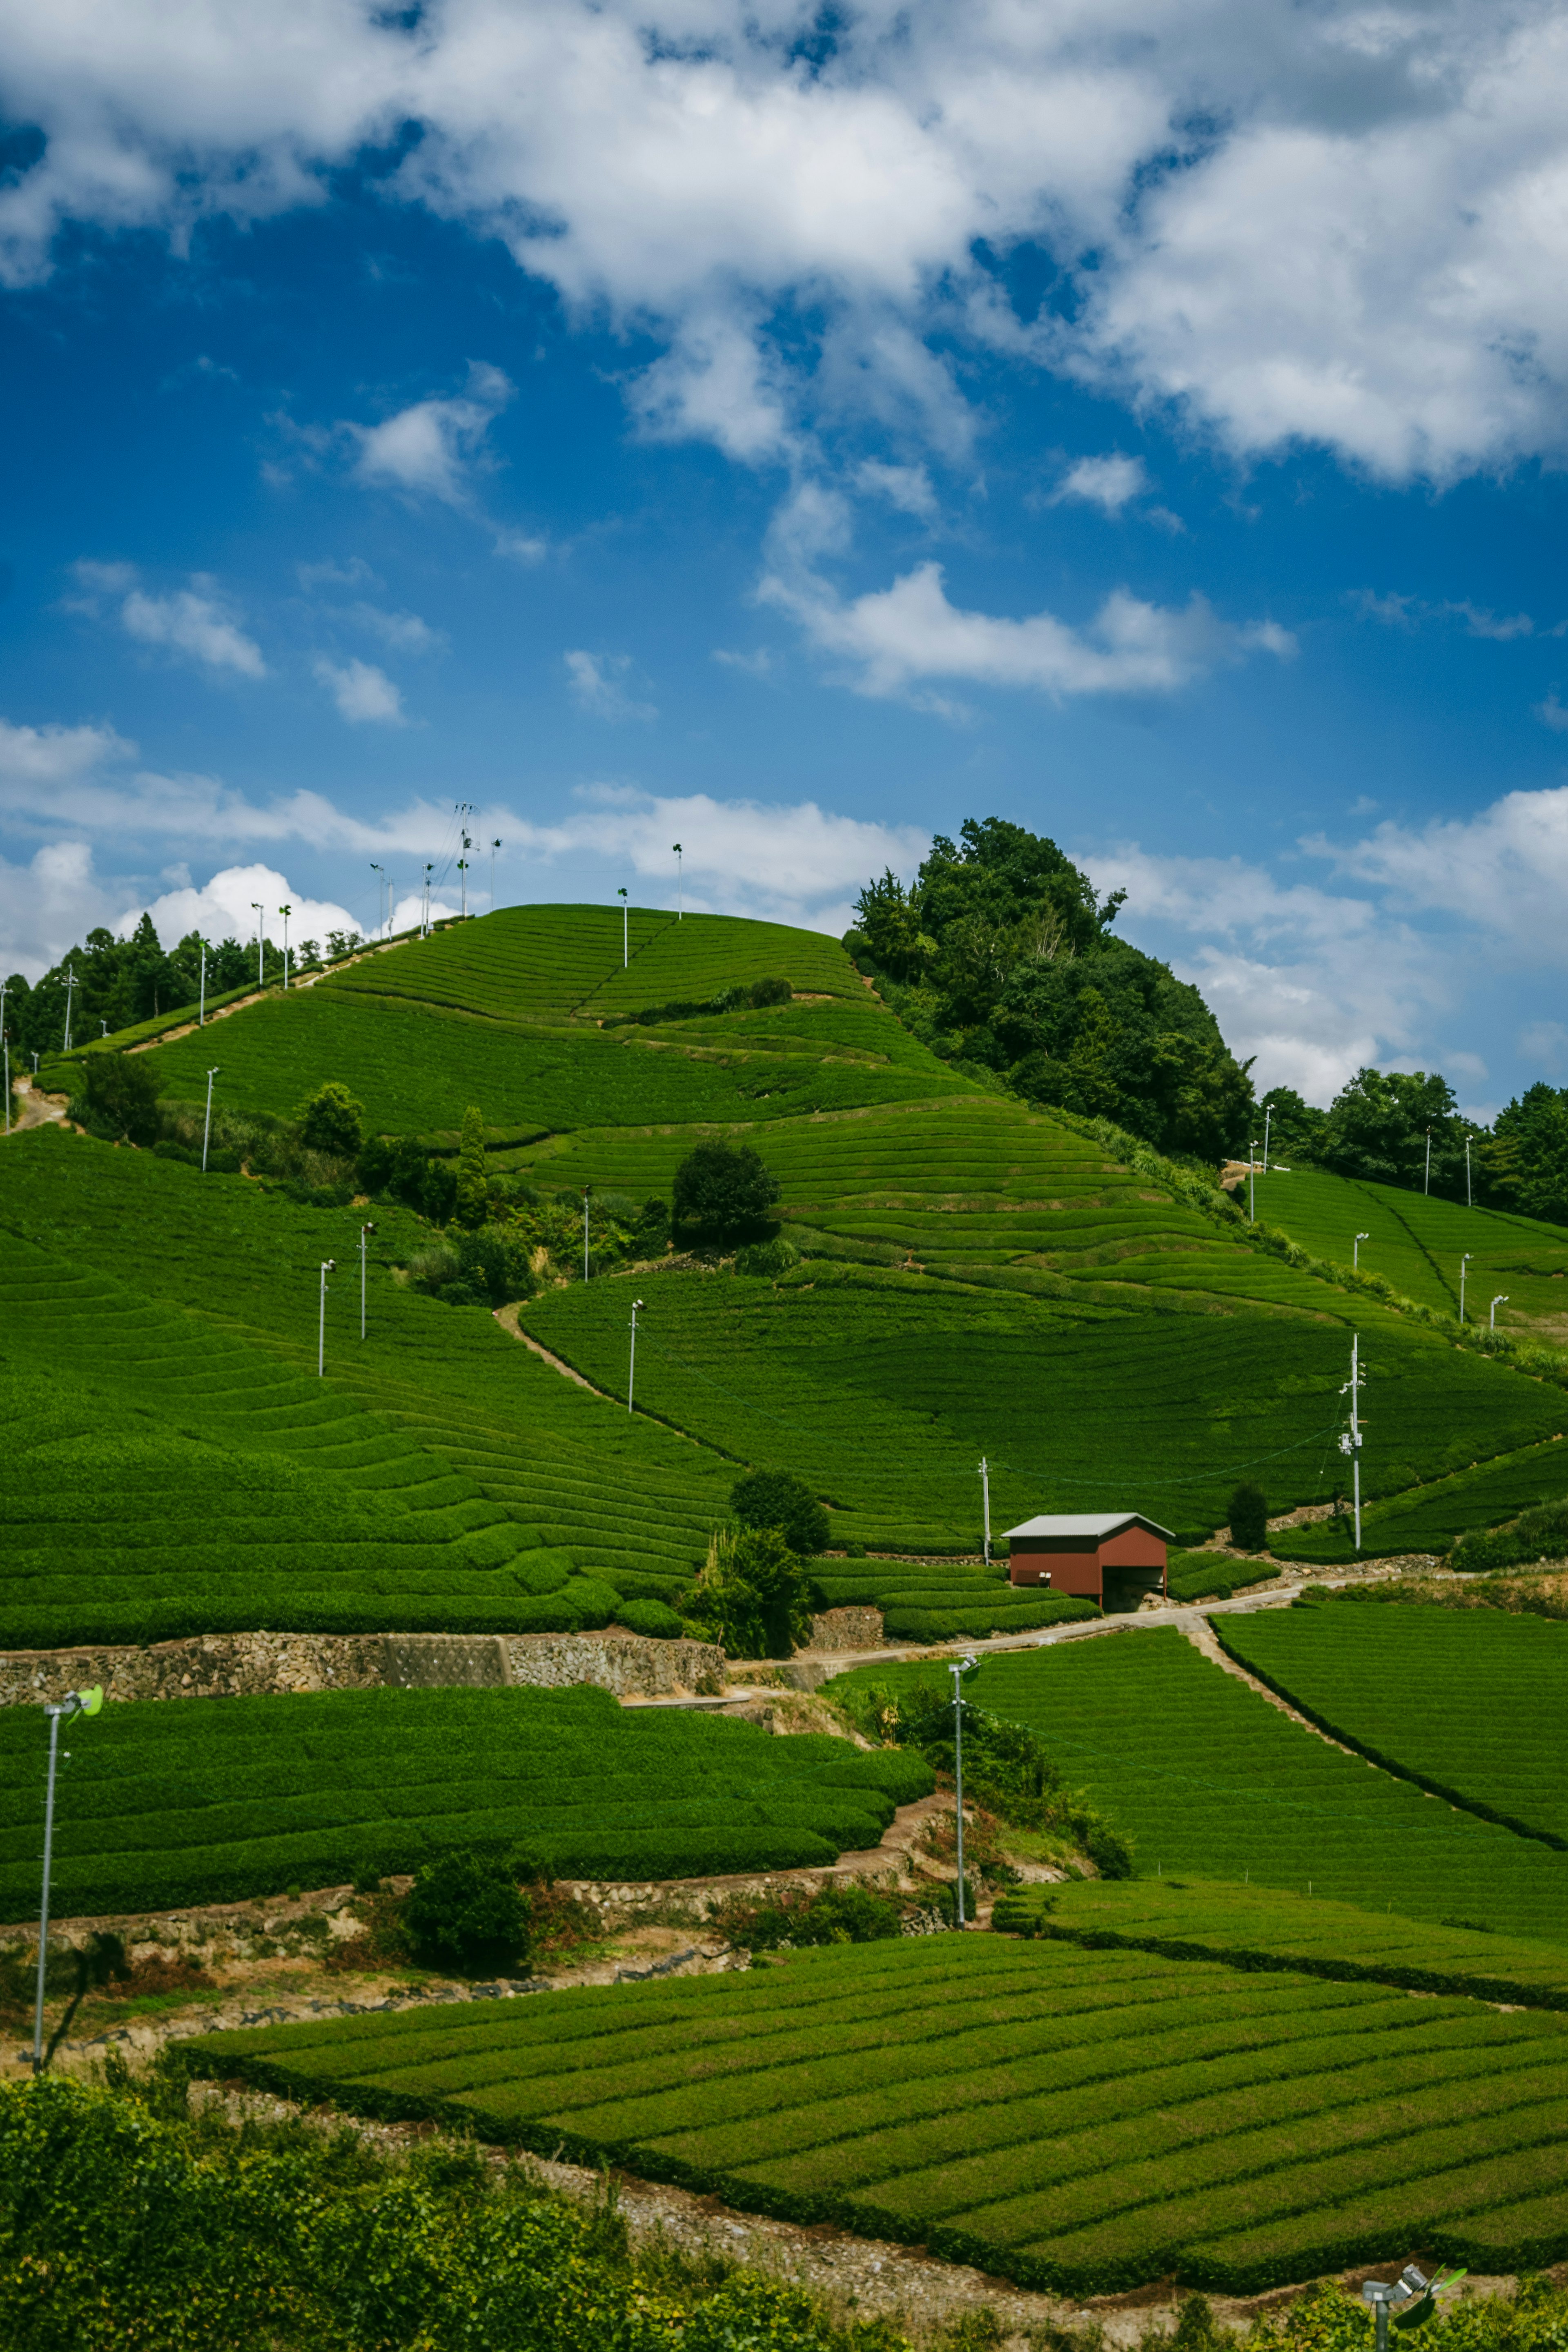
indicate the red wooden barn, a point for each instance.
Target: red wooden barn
{"x":1111,"y":1557}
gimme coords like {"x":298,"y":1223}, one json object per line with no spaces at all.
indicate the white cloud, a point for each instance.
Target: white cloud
{"x":598,"y":683}
{"x":1341,"y":225}
{"x":361,"y":691}
{"x":48,"y":906}
{"x":222,"y":909}
{"x":352,"y":572}
{"x":433,"y":447}
{"x":1406,"y":612}
{"x":1551,"y":713}
{"x":1504,"y":870}
{"x":759,"y":663}
{"x":194,"y":621}
{"x":1109,"y":483}
{"x":405,"y":632}
{"x":52,"y":755}
{"x":907,"y":487}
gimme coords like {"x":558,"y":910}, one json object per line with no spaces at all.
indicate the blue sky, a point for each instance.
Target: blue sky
{"x":790,"y":432}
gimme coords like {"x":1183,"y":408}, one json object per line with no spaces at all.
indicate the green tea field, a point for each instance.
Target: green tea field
{"x":1082,"y":2121}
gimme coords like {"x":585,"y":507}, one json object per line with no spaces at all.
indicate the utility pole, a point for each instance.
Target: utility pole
{"x":5,"y":1048}
{"x":985,"y":1491}
{"x":285,"y":912}
{"x":1463,"y":1264}
{"x":1252,"y":1181}
{"x":494,"y":846}
{"x":1468,"y":1202}
{"x":680,"y":886}
{"x":1351,"y":1442}
{"x":586,"y":1189}
{"x":1355,"y":1247}
{"x":1500,"y":1300}
{"x":261,"y":943}
{"x":202,"y":1002}
{"x":1427,"y":1180}
{"x":329,"y":1266}
{"x":424,"y":921}
{"x":207,"y":1127}
{"x":1268,"y":1115}
{"x":626,"y":931}
{"x":380,"y":873}
{"x":632,"y":1366}
{"x":71,"y":985}
{"x":364,"y":1233}
{"x":75,"y":1702}
{"x":958,"y":1672}
{"x":463,"y":870}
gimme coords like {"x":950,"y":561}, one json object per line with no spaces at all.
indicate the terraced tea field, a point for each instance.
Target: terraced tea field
{"x":1079,"y":2121}
{"x":1211,"y":1781}
{"x":214,"y":1799}
{"x":1471,"y":1704}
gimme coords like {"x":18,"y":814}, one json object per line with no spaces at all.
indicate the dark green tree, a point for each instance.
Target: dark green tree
{"x":467,"y":1911}
{"x":121,"y":1092}
{"x":724,"y":1192}
{"x":1377,"y":1125}
{"x":332,"y":1122}
{"x":472,"y":1198}
{"x":777,"y":1499}
{"x":1296,"y":1129}
{"x":1248,"y":1518}
{"x":1526,"y":1163}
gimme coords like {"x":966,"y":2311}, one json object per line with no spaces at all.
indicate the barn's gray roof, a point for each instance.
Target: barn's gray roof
{"x":1094,"y":1525}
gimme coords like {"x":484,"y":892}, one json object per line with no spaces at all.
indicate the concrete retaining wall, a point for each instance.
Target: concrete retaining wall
{"x":227,"y":1665}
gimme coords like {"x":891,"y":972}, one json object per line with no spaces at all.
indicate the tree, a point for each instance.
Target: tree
{"x":777,"y":1499}
{"x":467,"y":1911}
{"x":121,"y":1092}
{"x":1248,"y":1518}
{"x":473,"y":1196}
{"x":332,"y":1122}
{"x":724,"y":1191}
{"x":752,"y":1597}
{"x":1526,"y":1166}
{"x":1376,"y":1130}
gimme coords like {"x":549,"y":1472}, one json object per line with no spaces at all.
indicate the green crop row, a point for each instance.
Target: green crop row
{"x":1469,"y":1705}
{"x":221,"y":1799}
{"x":1256,"y":1928}
{"x":1207,"y":1778}
{"x":1429,"y":1517}
{"x":1212,"y":1576}
{"x":1074,"y":2121}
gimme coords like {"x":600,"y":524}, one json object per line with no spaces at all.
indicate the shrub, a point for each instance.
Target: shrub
{"x":470,"y":1203}
{"x":121,"y":1095}
{"x":767,"y":1257}
{"x":652,"y":1618}
{"x":837,"y":1914}
{"x":467,"y":1911}
{"x":1248,"y":1518}
{"x":777,"y":1499}
{"x":754,"y":1596}
{"x":724,"y":1191}
{"x":332,"y":1122}
{"x":770,"y":991}
{"x":482,"y":1269}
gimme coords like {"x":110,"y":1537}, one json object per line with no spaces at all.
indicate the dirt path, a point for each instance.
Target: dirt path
{"x":507,"y":1317}
{"x":32,"y":1108}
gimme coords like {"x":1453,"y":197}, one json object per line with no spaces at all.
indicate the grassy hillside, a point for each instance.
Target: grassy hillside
{"x":1076,"y":2121}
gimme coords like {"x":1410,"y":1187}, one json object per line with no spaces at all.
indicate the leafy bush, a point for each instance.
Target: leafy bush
{"x":769,"y":992}
{"x":467,"y":1911}
{"x":753,"y":1595}
{"x":121,"y":1092}
{"x":486,"y":1268}
{"x":835,"y":1915}
{"x":724,"y":1191}
{"x":1248,"y":1512}
{"x":651,"y":1618}
{"x":472,"y":1199}
{"x":777,"y":1499}
{"x":332,"y":1122}
{"x":772,"y":1257}
{"x":398,"y":1168}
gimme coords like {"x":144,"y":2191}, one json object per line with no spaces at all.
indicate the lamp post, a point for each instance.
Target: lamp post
{"x":6,"y":1049}
{"x":463,"y":870}
{"x":285,"y":912}
{"x":1468,"y":1202}
{"x":75,"y":1702}
{"x":958,"y":1672}
{"x":1427,"y":1180}
{"x":207,"y":1124}
{"x":680,"y":886}
{"x":985,"y":1492}
{"x":1350,"y":1443}
{"x":380,"y":873}
{"x":260,"y":943}
{"x":104,"y":1025}
{"x":626,"y":931}
{"x":1268,"y":1116}
{"x":632,"y":1364}
{"x":1355,"y":1249}
{"x":494,"y":846}
{"x":424,"y":921}
{"x":1252,"y":1181}
{"x":364,"y":1233}
{"x":202,"y":999}
{"x":329,"y":1266}
{"x":1500,"y":1300}
{"x":586,"y":1189}
{"x":71,"y":986}
{"x":1464,"y":1262}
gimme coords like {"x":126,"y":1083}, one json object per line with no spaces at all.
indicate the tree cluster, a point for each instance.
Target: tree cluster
{"x":1003,"y":959}
{"x":1377,"y":1125}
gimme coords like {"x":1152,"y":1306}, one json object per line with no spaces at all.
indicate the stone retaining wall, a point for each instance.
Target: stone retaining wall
{"x":227,"y":1665}
{"x":846,"y":1629}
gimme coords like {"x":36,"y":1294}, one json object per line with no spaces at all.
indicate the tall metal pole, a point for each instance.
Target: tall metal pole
{"x":985,"y":1490}
{"x":1463,"y":1264}
{"x":329,"y":1266}
{"x":586,"y":1192}
{"x":202,"y":1005}
{"x":261,"y":943}
{"x":1500,"y":1300}
{"x":626,"y":931}
{"x":1355,"y":1247}
{"x":285,"y":912}
{"x":1355,"y":1430}
{"x":1252,"y":1181}
{"x":1427,"y":1180}
{"x":957,"y":1672}
{"x":70,"y":985}
{"x":53,"y":1714}
{"x":1468,"y":1202}
{"x":494,"y":846}
{"x":463,"y":870}
{"x":631,"y":1367}
{"x":5,"y":1047}
{"x":380,"y":874}
{"x":207,"y":1127}
{"x":1268,"y":1115}
{"x":680,"y":886}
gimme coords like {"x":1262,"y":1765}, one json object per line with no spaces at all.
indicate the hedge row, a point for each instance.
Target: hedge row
{"x":1079,"y":2122}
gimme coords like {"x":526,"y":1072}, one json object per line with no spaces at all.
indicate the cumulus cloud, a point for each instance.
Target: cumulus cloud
{"x":1109,"y":483}
{"x":433,"y":447}
{"x":50,"y":755}
{"x":196,"y":621}
{"x":361,"y":691}
{"x":908,"y":488}
{"x":599,"y":684}
{"x":1335,"y":224}
{"x":223,"y":909}
{"x":47,"y":905}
